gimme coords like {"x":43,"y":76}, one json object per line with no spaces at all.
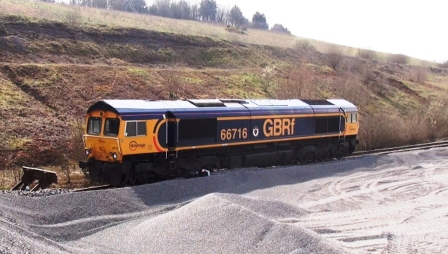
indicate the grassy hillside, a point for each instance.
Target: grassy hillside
{"x":52,"y":69}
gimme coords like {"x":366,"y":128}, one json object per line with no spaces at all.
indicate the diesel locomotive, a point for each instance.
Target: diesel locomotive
{"x":132,"y":141}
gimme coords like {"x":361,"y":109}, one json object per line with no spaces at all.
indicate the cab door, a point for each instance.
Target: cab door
{"x":352,"y":124}
{"x":172,"y":131}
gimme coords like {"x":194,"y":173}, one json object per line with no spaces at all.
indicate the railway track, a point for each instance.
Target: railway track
{"x":402,"y":148}
{"x":91,"y":188}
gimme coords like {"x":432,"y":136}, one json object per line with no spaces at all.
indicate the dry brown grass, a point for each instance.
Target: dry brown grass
{"x":9,"y":177}
{"x":420,"y":125}
{"x":110,"y":18}
{"x":92,"y":17}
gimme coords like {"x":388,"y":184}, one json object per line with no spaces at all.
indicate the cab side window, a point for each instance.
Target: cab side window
{"x":352,"y":118}
{"x":135,"y":128}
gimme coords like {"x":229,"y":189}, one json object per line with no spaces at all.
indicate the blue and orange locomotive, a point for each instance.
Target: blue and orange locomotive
{"x":130,"y":141}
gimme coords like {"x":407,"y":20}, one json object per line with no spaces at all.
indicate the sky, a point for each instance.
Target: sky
{"x":413,"y":28}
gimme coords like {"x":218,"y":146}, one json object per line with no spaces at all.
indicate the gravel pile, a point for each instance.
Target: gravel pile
{"x":214,"y":223}
{"x":146,"y":216}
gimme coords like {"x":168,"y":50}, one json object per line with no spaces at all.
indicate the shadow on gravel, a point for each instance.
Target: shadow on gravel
{"x":244,"y":181}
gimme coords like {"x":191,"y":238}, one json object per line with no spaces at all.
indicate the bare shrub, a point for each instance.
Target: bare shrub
{"x":398,"y":59}
{"x":438,"y":118}
{"x":378,"y":131}
{"x":233,"y":29}
{"x":418,"y":74}
{"x":65,"y":167}
{"x":73,"y":17}
{"x":267,"y":75}
{"x":10,"y":173}
{"x":335,"y":56}
{"x":40,"y":152}
{"x":366,"y":54}
{"x":304,"y":45}
{"x":9,"y":177}
{"x":173,"y":84}
{"x":382,"y":130}
{"x":351,"y":88}
{"x":3,"y":179}
{"x":75,"y":148}
{"x":416,"y":128}
{"x":297,"y":83}
{"x":421,"y":125}
{"x":278,"y":28}
{"x":354,"y":66}
{"x":444,"y":64}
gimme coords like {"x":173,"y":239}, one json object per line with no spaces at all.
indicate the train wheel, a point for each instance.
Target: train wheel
{"x":351,"y":149}
{"x":115,"y":175}
{"x":94,"y":174}
{"x":183,"y":173}
{"x":307,"y":157}
{"x":132,"y":179}
{"x":342,"y":153}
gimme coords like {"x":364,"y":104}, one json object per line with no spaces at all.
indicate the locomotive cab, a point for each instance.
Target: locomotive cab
{"x":102,"y":145}
{"x":118,"y":138}
{"x":101,"y":139}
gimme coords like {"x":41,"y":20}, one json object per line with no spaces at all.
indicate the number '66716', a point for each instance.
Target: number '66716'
{"x":234,"y":133}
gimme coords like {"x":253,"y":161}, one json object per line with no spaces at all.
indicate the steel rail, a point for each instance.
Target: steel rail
{"x":402,"y":148}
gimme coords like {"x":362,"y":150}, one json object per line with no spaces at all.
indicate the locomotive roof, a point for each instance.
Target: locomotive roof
{"x":233,"y":106}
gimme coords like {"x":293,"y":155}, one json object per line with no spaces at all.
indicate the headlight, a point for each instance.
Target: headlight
{"x":114,"y":155}
{"x":87,"y":152}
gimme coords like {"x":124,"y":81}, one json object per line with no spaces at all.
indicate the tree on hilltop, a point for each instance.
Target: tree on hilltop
{"x":259,"y":21}
{"x":236,"y":17}
{"x":280,"y":29}
{"x":181,"y":10}
{"x":222,"y":15}
{"x":207,"y":10}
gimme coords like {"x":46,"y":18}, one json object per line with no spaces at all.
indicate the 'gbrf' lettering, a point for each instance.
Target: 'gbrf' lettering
{"x":279,"y":127}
